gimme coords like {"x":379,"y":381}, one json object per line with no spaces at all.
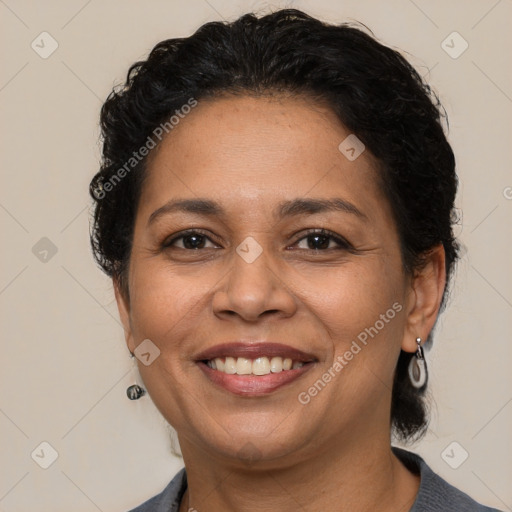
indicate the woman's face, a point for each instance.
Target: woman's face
{"x":256,"y":270}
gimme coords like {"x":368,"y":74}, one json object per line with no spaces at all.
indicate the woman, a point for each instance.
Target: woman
{"x":275,"y":209}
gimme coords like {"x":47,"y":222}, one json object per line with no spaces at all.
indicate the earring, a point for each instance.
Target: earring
{"x":134,"y":392}
{"x":418,"y":367}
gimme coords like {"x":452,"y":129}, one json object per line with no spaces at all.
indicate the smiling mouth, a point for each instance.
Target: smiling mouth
{"x":259,"y":366}
{"x":257,"y":377}
{"x":253,"y":369}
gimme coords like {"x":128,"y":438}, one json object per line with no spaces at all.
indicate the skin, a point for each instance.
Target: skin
{"x":271,"y":452}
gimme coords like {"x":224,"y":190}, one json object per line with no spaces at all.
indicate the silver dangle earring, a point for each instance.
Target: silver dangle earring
{"x":134,"y":392}
{"x":418,"y":367}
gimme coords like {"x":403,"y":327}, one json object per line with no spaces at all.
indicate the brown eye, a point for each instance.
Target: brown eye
{"x":323,"y":240}
{"x":190,"y":240}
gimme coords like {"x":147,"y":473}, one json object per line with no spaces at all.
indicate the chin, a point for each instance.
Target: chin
{"x":252,"y":439}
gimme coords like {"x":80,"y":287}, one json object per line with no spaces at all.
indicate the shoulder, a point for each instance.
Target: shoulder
{"x":169,"y":499}
{"x":435,"y":494}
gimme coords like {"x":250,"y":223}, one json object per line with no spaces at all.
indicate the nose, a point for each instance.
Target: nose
{"x":254,"y":289}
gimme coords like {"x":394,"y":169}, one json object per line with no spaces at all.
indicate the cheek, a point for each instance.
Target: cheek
{"x":165,"y":309}
{"x":352,"y":298}
{"x":164,"y":300}
{"x":346,"y":299}
{"x":362,"y":310}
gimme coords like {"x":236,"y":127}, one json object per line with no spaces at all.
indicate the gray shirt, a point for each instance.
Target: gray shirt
{"x":434,"y":495}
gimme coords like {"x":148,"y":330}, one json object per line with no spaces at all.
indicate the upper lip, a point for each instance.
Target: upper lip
{"x":253,"y":350}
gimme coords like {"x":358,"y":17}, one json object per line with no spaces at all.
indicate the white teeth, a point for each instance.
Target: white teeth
{"x":243,"y":366}
{"x":230,"y":366}
{"x":276,"y":364}
{"x":258,"y":366}
{"x":219,"y":363}
{"x":261,"y":366}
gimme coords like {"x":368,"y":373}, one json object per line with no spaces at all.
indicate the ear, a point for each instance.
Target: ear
{"x":123,"y":306}
{"x":425,"y":295}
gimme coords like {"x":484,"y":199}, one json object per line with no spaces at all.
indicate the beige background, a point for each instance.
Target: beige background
{"x":65,"y":367}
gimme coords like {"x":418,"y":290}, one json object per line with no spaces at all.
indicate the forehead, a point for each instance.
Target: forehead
{"x":251,"y":151}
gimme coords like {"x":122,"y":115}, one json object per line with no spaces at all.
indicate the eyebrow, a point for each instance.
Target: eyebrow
{"x":290,"y":208}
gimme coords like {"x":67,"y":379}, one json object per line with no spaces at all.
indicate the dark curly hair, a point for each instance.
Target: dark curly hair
{"x":372,"y":89}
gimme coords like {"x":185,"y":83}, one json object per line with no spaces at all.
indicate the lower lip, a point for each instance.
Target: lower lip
{"x":253,"y":385}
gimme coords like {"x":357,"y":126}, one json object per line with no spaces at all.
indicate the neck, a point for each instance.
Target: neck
{"x":358,"y":478}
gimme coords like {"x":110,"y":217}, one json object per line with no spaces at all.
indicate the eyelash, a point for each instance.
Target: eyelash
{"x":342,"y":243}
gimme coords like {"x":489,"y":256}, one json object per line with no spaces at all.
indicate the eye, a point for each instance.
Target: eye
{"x":191,"y":240}
{"x":315,"y":240}
{"x":321,"y":239}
